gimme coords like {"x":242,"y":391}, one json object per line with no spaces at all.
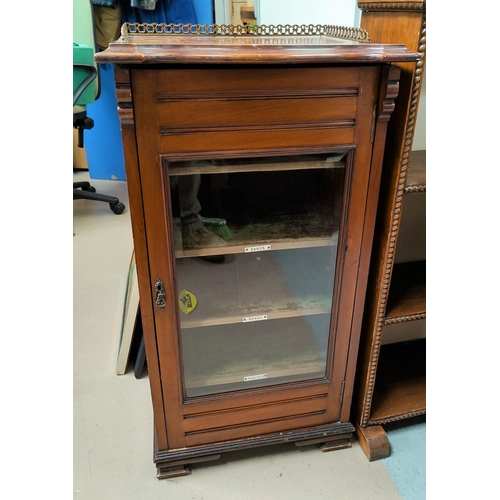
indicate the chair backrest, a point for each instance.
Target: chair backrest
{"x":84,"y":48}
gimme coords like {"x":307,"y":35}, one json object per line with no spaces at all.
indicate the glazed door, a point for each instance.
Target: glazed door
{"x":254,"y":229}
{"x":255,"y":250}
{"x":256,"y":246}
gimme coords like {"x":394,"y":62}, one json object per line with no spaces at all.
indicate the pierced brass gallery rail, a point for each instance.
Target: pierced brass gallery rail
{"x":355,"y":34}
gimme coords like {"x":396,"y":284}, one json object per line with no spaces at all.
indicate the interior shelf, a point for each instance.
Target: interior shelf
{"x":256,"y":286}
{"x":400,"y":387}
{"x":223,"y":358}
{"x":228,"y":166}
{"x":272,"y":202}
{"x":279,"y":233}
{"x":415,"y":179}
{"x":406,"y":300}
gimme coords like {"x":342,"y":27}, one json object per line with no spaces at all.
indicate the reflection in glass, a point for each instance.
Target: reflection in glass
{"x":256,"y":247}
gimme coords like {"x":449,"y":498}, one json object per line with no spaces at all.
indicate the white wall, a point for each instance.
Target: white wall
{"x":336,"y":12}
{"x":419,"y":137}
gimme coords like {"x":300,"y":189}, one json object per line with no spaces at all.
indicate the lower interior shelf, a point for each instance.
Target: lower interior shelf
{"x":407,"y":293}
{"x":400,"y":383}
{"x":255,"y":319}
{"x":248,"y":355}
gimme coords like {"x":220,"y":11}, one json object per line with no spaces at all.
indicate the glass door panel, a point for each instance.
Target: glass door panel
{"x":256,"y":247}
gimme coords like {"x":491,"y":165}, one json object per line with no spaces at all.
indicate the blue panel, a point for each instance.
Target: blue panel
{"x":204,"y":11}
{"x":406,"y":463}
{"x":103,"y":143}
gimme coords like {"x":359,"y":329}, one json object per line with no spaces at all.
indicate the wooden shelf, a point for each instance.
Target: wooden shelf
{"x":231,"y":166}
{"x":276,"y":285}
{"x":284,"y":232}
{"x":415,"y":178}
{"x":219,"y":358}
{"x":400,"y":388}
{"x":406,"y":300}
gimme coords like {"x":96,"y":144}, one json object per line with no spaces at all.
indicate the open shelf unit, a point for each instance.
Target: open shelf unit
{"x":390,"y":382}
{"x":406,"y":300}
{"x":403,"y":395}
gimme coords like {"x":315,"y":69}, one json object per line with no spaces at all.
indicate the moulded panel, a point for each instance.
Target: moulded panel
{"x":209,"y":115}
{"x":244,"y":141}
{"x":254,"y":81}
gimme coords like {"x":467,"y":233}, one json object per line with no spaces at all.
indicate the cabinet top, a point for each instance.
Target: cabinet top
{"x":257,"y":44}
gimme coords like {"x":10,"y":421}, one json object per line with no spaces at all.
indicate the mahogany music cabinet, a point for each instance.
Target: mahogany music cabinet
{"x":253,"y":158}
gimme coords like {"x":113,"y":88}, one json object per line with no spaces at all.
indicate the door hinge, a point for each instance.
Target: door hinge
{"x":374,"y":119}
{"x":342,"y":387}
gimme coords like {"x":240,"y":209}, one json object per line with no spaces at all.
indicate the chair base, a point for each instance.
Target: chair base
{"x":83,"y":190}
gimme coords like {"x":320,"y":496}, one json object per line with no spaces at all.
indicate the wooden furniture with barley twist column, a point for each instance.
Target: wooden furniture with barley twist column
{"x":390,"y":381}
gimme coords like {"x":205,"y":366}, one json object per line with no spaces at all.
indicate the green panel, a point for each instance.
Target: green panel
{"x":85,"y":55}
{"x":83,"y":51}
{"x":83,"y":27}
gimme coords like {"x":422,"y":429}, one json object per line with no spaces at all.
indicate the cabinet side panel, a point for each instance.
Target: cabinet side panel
{"x":125,"y":112}
{"x":159,"y":250}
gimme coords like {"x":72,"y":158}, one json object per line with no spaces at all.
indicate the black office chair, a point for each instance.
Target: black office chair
{"x":85,"y":74}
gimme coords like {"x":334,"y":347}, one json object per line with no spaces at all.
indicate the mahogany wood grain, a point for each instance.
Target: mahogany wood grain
{"x":185,"y":98}
{"x":122,"y":81}
{"x":253,"y":399}
{"x":254,"y":415}
{"x":374,"y":442}
{"x":340,"y":431}
{"x":157,"y":213}
{"x":254,"y":81}
{"x":212,"y":115}
{"x":259,"y":428}
{"x":181,"y":467}
{"x":159,"y":49}
{"x":266,"y":138}
{"x":337,"y":443}
{"x":388,"y":93}
{"x":168,"y":471}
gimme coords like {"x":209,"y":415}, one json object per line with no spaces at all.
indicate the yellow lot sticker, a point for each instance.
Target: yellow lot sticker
{"x":187,"y":301}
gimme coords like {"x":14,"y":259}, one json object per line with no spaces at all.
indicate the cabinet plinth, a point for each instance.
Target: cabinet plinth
{"x":253,"y":167}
